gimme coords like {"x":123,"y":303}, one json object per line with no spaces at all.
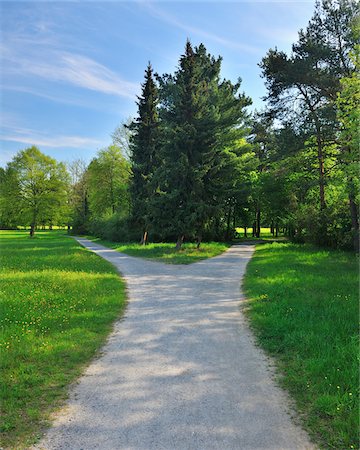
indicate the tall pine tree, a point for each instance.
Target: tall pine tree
{"x":198,"y":112}
{"x":144,"y":150}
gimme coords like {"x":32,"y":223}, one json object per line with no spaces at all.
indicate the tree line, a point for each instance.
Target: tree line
{"x":194,"y":164}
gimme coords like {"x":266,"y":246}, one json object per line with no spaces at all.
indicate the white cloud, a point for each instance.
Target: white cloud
{"x":65,"y":67}
{"x":84,"y":72}
{"x":30,"y":137}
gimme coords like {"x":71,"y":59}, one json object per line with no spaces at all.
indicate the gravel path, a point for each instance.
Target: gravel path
{"x":180,"y":371}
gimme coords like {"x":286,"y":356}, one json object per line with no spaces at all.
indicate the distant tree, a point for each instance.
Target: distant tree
{"x":144,"y":148}
{"x":78,"y":196}
{"x":10,"y":214}
{"x":122,"y":137}
{"x":107,"y":179}
{"x":39,"y":187}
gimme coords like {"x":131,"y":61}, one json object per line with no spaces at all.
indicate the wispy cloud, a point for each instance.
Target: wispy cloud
{"x":162,"y":15}
{"x":12,"y":133}
{"x":77,"y":70}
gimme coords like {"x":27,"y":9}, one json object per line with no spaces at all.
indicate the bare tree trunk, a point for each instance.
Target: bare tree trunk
{"x":354,"y":222}
{"x":320,"y":156}
{"x":179,"y":242}
{"x":227,"y":234}
{"x":272,"y":230}
{"x":32,"y":229}
{"x":144,"y":238}
{"x":245,"y":231}
{"x":258,"y":230}
{"x":198,"y":241}
{"x":254,"y":229}
{"x":277,"y":229}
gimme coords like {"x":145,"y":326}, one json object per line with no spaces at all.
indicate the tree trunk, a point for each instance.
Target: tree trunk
{"x":354,"y":222}
{"x":144,"y":238}
{"x":227,"y":234}
{"x":258,"y":229}
{"x":272,"y":230}
{"x":321,"y":172}
{"x":254,"y":229}
{"x":198,"y":242}
{"x":68,"y":229}
{"x":276,"y":229}
{"x":245,"y":231}
{"x":179,"y":242}
{"x":32,"y":229}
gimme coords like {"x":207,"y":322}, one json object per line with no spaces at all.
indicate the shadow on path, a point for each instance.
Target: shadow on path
{"x":181,"y":371}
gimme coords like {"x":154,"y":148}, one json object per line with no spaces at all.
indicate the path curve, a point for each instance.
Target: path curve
{"x":180,"y":371}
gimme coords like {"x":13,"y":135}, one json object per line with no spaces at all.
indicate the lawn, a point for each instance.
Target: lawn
{"x":303,"y":306}
{"x":265,"y":234}
{"x":58,"y":302}
{"x":165,"y":252}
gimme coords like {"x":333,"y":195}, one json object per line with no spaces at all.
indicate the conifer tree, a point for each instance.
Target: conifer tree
{"x":198,"y":112}
{"x":144,"y":149}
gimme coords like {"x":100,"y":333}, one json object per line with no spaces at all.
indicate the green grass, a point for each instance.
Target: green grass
{"x":58,"y":302}
{"x":265,"y":235}
{"x":303,"y":305}
{"x":165,"y":252}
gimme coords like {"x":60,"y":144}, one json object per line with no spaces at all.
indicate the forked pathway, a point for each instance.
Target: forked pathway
{"x":181,"y":370}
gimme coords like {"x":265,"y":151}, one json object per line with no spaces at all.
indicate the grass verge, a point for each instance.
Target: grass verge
{"x":166,"y":252}
{"x":303,"y":306}
{"x":58,"y":303}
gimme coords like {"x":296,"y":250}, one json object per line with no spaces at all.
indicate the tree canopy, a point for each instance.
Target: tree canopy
{"x":194,"y":164}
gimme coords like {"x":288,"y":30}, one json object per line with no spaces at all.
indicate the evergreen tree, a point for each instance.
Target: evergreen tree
{"x":144,"y":153}
{"x":197,"y":112}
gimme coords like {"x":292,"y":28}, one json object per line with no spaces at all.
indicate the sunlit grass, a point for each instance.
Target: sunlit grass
{"x":58,"y":302}
{"x":165,"y":252}
{"x":265,"y":234}
{"x":303,"y":304}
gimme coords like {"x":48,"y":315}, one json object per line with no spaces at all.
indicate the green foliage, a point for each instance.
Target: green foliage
{"x":303,"y":305}
{"x":35,"y":187}
{"x":201,"y":120}
{"x":144,"y":145}
{"x":10,"y":213}
{"x":58,"y":302}
{"x":79,"y":196}
{"x":107,"y":180}
{"x":321,"y":175}
{"x":114,"y":228}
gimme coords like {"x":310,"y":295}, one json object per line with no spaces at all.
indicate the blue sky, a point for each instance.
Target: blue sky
{"x":70,"y":71}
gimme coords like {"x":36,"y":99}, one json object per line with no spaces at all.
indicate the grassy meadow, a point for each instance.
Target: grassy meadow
{"x":303,"y":306}
{"x":58,"y":302}
{"x":165,"y":252}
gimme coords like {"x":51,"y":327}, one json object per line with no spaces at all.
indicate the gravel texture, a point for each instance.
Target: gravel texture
{"x":180,"y":370}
